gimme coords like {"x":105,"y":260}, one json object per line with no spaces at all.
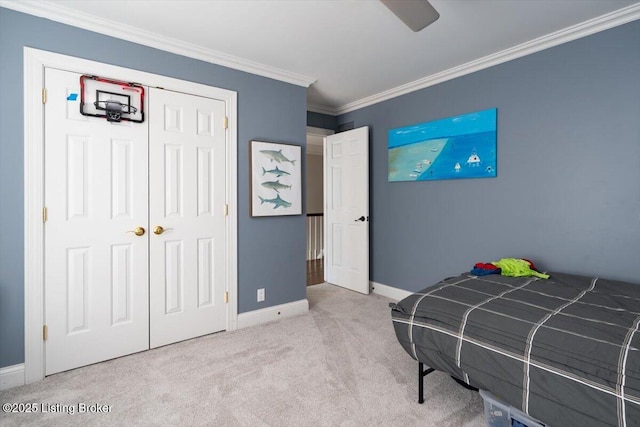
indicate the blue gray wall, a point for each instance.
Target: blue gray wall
{"x":271,"y":254}
{"x":567,"y":193}
{"x":320,"y":120}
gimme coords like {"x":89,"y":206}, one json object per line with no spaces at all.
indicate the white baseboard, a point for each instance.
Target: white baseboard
{"x":264,"y":315}
{"x":389,"y":291}
{"x":11,"y":376}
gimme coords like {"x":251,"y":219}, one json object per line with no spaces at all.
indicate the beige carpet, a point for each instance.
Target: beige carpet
{"x":338,"y":365}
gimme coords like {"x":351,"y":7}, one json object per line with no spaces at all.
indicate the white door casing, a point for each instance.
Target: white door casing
{"x":187,"y":186}
{"x":35,"y":62}
{"x":96,"y":287}
{"x":346,"y":176}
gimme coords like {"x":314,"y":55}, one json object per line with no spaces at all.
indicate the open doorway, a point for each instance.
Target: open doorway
{"x":315,"y":204}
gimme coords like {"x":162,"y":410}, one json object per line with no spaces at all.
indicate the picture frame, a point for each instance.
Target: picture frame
{"x":275,"y":179}
{"x":458,"y":147}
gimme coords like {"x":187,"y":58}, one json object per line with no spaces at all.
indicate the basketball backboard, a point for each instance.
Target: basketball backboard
{"x":111,"y":99}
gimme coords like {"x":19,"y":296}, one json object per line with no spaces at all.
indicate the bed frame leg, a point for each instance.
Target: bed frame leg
{"x":420,"y":383}
{"x":421,"y":374}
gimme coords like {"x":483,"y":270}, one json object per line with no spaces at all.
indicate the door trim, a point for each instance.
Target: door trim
{"x":35,"y":61}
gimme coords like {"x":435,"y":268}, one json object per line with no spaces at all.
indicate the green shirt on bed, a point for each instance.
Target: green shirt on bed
{"x":515,"y":267}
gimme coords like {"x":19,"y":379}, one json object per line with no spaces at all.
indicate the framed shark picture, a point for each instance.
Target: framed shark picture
{"x":276,"y":179}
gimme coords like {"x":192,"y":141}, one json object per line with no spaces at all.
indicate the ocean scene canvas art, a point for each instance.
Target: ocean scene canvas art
{"x":453,"y":148}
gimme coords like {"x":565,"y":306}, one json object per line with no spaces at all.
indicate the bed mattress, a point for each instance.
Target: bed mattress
{"x":565,"y":350}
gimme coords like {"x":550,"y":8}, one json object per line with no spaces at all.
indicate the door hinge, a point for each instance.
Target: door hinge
{"x":226,"y":122}
{"x":45,"y":333}
{"x":226,"y":297}
{"x":44,"y":95}
{"x":44,"y":214}
{"x":226,"y":210}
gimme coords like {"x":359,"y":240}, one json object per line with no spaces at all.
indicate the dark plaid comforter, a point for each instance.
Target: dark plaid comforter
{"x":564,"y":350}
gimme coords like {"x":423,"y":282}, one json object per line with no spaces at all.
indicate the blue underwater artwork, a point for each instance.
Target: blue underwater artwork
{"x":456,"y":147}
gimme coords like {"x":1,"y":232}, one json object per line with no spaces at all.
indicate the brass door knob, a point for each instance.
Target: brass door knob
{"x":139,"y":231}
{"x":159,"y":229}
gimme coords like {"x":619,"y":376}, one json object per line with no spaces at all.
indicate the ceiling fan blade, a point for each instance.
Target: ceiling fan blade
{"x":417,"y":14}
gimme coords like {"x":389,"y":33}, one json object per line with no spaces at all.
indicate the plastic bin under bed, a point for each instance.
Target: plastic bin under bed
{"x":501,"y":414}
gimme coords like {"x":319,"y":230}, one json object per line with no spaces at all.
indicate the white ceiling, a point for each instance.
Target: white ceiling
{"x":351,"y":52}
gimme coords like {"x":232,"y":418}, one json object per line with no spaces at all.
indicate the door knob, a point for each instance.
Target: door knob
{"x":159,"y":229}
{"x":360,"y":219}
{"x":139,"y":231}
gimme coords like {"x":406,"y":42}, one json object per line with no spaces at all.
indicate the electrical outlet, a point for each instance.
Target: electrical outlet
{"x":260,"y":294}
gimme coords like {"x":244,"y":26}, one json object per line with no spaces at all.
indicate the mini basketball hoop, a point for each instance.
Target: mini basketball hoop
{"x":112,"y":99}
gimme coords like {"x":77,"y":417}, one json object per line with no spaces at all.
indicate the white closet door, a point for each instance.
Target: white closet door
{"x":187,"y":199}
{"x":96,"y":272}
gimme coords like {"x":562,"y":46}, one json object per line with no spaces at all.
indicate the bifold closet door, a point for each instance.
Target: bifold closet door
{"x":136,"y":227}
{"x":96,"y":267}
{"x":187,"y":216}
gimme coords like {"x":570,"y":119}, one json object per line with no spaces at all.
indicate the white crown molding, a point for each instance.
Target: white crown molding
{"x":586,"y":28}
{"x":125,"y":32}
{"x":89,"y":22}
{"x":315,"y":108}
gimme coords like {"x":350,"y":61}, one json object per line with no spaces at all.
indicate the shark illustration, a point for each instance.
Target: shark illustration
{"x":277,"y":156}
{"x":275,"y":185}
{"x":277,"y":202}
{"x":277,"y":172}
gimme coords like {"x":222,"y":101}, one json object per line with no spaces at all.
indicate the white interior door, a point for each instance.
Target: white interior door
{"x":96,"y":272}
{"x":346,"y":176}
{"x":187,"y":199}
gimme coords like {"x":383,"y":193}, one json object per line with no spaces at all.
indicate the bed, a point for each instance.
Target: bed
{"x":565,"y":350}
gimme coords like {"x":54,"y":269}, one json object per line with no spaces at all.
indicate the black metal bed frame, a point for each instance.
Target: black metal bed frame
{"x":423,"y":373}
